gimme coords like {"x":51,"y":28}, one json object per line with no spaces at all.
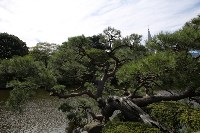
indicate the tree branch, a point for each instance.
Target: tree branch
{"x":141,"y":102}
{"x":119,"y":47}
{"x":76,"y":89}
{"x":112,"y":73}
{"x":162,"y":88}
{"x":197,"y":100}
{"x":131,"y":111}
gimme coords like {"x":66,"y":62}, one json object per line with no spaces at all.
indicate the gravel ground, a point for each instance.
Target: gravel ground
{"x":38,"y":116}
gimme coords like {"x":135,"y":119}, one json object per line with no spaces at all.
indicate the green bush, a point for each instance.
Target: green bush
{"x":129,"y":127}
{"x":176,"y":116}
{"x":20,"y":94}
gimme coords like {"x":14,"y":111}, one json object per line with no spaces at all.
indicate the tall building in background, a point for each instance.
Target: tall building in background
{"x":149,"y":35}
{"x":149,"y":39}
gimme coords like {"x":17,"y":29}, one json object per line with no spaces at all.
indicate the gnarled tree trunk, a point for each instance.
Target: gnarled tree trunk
{"x":129,"y":110}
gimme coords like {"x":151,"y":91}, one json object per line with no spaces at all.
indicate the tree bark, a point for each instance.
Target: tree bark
{"x":130,"y":111}
{"x":142,"y":102}
{"x":131,"y":108}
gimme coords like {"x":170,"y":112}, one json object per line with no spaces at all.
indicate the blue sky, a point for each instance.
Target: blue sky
{"x":54,"y":21}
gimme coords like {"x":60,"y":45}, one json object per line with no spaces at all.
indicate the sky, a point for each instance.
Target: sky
{"x":54,"y":21}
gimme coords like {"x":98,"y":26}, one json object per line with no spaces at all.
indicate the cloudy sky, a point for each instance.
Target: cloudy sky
{"x":54,"y":21}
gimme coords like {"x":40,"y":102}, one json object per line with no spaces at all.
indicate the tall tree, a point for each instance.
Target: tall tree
{"x":11,"y":45}
{"x":171,"y":69}
{"x":104,"y":63}
{"x":43,"y":51}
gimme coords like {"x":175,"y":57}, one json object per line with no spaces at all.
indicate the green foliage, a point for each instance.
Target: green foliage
{"x":22,"y":67}
{"x":170,"y":71}
{"x":76,"y":110}
{"x":74,"y":61}
{"x":191,"y":119}
{"x":68,"y":66}
{"x":129,"y":127}
{"x":43,"y":51}
{"x":22,"y":85}
{"x":186,"y":70}
{"x":26,"y":69}
{"x":176,"y":116}
{"x":77,"y":116}
{"x":45,"y":78}
{"x":18,"y":68}
{"x":65,"y":107}
{"x":101,"y":55}
{"x":90,"y":87}
{"x":150,"y":64}
{"x":185,"y":39}
{"x":20,"y":94}
{"x":11,"y":45}
{"x":133,"y":52}
{"x":59,"y":89}
{"x":77,"y":42}
{"x":158,"y":65}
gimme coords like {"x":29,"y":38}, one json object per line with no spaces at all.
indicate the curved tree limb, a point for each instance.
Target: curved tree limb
{"x":141,"y":102}
{"x":131,"y":108}
{"x":131,"y":111}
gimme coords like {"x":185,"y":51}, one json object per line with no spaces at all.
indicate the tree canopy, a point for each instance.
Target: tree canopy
{"x":43,"y":51}
{"x":11,"y":45}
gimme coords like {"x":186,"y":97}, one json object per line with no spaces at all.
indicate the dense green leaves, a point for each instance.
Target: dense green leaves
{"x":26,"y":69}
{"x":176,"y":116}
{"x":23,"y":75}
{"x":153,"y":70}
{"x":11,"y":45}
{"x":43,"y":51}
{"x":185,"y":39}
{"x":78,"y":115}
{"x":18,"y":68}
{"x":170,"y":71}
{"x":101,"y":55}
{"x":21,"y":92}
{"x":68,"y":67}
{"x":129,"y":127}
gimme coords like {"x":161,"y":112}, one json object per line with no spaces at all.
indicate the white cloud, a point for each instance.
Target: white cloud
{"x":56,"y":20}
